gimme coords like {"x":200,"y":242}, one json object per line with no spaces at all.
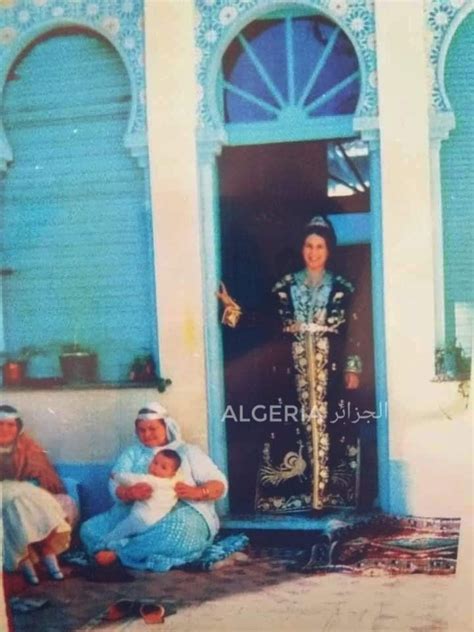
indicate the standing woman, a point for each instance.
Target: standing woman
{"x":34,"y":522}
{"x":312,"y":462}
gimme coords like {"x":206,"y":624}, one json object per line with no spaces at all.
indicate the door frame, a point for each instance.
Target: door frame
{"x":213,"y":135}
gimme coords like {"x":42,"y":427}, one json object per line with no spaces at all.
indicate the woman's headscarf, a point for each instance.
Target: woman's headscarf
{"x":154,"y":410}
{"x":9,"y":412}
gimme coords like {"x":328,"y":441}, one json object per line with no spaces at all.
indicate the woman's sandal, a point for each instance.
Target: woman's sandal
{"x":152,"y":613}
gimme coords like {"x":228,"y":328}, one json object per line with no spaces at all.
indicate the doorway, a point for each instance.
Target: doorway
{"x":268,"y":193}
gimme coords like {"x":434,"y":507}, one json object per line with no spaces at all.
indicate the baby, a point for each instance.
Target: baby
{"x":163,"y":474}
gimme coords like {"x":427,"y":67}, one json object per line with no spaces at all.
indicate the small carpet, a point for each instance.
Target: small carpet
{"x":388,"y":545}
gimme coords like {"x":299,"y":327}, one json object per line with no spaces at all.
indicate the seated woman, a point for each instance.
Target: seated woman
{"x":188,"y":529}
{"x":34,"y":523}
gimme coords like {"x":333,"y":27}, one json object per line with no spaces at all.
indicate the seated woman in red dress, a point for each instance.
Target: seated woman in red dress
{"x":34,"y":522}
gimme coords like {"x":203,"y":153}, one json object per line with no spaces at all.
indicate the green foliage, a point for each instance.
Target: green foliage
{"x":452,"y":362}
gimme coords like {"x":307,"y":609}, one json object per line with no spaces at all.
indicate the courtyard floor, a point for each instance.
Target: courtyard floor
{"x":261,"y":595}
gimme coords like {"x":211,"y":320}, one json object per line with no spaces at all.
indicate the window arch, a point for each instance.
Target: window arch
{"x":293,"y":68}
{"x":77,"y":236}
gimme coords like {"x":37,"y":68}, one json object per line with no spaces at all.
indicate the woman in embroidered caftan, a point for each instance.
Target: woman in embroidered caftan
{"x":187,"y":530}
{"x":314,"y":463}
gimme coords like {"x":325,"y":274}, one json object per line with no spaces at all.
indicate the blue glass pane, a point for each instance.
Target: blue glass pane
{"x":348,"y":168}
{"x":311,"y":39}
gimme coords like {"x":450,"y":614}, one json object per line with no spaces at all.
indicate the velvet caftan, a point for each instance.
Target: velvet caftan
{"x":312,"y":460}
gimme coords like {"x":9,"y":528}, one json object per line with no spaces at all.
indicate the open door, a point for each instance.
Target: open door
{"x":268,"y":194}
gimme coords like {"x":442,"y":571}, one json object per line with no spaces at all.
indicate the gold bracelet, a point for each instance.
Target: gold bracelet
{"x":204,"y":493}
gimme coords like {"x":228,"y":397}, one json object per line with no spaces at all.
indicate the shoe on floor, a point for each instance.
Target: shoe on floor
{"x":152,"y":613}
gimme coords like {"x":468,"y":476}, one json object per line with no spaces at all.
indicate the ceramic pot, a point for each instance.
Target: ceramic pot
{"x":14,"y":373}
{"x":79,"y":367}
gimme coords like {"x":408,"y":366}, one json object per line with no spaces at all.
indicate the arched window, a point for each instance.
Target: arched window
{"x":457,"y":168}
{"x":291,"y":69}
{"x":75,"y":211}
{"x":296,"y":78}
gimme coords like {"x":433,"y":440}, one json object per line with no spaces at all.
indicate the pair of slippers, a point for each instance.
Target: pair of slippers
{"x":151,"y":612}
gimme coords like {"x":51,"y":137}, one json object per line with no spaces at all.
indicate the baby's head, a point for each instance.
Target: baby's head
{"x":165,"y":464}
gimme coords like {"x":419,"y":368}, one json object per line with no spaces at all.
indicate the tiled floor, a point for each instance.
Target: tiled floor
{"x":263,"y":595}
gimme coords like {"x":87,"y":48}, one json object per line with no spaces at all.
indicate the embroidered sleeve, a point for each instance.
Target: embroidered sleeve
{"x":281,"y":292}
{"x":353,"y":362}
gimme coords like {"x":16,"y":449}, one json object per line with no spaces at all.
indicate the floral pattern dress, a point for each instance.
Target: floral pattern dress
{"x":312,"y":460}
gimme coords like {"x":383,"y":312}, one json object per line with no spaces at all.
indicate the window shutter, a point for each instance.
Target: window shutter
{"x":457,"y":164}
{"x":76,"y":220}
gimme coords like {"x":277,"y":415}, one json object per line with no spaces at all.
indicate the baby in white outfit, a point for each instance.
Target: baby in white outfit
{"x":163,"y":474}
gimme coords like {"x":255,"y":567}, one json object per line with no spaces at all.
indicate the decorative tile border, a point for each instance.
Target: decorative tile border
{"x":442,"y":19}
{"x":119,"y":21}
{"x":217,"y":22}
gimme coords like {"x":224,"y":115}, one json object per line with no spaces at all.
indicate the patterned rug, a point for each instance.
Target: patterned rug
{"x":387,"y":545}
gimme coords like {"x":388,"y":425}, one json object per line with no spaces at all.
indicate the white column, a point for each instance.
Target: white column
{"x":171,"y":101}
{"x":428,"y":430}
{"x":406,"y":203}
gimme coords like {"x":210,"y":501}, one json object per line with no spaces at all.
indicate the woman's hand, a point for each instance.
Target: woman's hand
{"x":139,"y":491}
{"x":351,"y":380}
{"x":212,"y":490}
{"x":223,"y":295}
{"x":187,"y":492}
{"x":232,"y":310}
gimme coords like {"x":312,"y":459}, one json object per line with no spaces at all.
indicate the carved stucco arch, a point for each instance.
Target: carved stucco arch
{"x":458,"y":18}
{"x":14,"y":40}
{"x":442,"y":22}
{"x":218,"y":22}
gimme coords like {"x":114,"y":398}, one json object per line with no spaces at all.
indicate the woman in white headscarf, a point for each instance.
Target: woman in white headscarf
{"x":188,"y":529}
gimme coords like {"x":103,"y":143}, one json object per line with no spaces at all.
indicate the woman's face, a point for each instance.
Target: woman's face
{"x":8,"y":431}
{"x":152,"y":432}
{"x":315,"y":253}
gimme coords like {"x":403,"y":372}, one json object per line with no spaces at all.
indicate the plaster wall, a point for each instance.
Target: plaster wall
{"x":171,"y":91}
{"x":430,"y":427}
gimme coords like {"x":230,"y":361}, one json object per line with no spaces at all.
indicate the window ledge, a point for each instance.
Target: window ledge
{"x":44,"y":385}
{"x":447,"y":377}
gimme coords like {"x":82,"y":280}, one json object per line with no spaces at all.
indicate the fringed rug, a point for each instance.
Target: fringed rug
{"x":387,"y":545}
